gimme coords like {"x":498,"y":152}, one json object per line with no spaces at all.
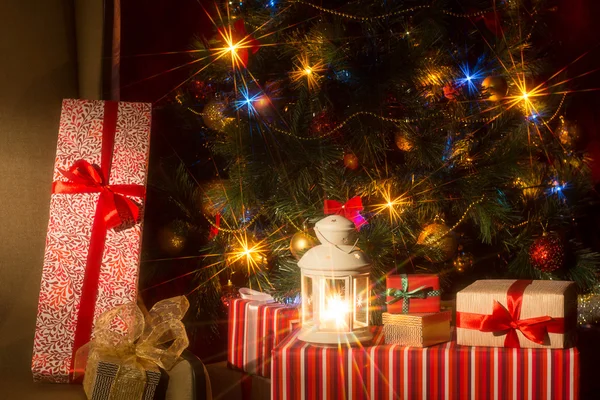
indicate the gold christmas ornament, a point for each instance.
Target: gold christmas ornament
{"x":588,"y":309}
{"x":441,"y":240}
{"x":172,"y":239}
{"x":213,"y":116}
{"x":351,"y":161}
{"x":496,"y":87}
{"x":463,"y":262}
{"x":568,"y":133}
{"x":402,"y":142}
{"x":301,"y":242}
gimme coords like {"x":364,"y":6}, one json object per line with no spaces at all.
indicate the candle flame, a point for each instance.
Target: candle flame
{"x":336,"y":311}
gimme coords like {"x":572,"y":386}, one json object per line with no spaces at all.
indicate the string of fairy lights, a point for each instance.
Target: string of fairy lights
{"x":389,"y":14}
{"x":238,"y":230}
{"x":467,"y":119}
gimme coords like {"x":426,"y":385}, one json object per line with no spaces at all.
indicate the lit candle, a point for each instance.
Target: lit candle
{"x":335,"y":313}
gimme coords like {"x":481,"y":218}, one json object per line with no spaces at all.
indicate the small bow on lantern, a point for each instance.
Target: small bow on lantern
{"x":404,"y":294}
{"x":134,"y":341}
{"x":240,"y":40}
{"x":351,"y":210}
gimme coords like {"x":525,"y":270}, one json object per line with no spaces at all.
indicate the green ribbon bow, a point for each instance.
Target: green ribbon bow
{"x":421,"y":292}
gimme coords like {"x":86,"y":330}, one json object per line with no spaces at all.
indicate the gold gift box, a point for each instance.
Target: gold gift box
{"x":554,"y":299}
{"x":417,"y":330}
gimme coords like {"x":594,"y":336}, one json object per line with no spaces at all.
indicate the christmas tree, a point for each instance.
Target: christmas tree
{"x":440,"y":128}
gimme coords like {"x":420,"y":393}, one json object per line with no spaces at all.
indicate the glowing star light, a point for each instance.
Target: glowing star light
{"x":253,"y":103}
{"x":470,"y":77}
{"x":525,"y":97}
{"x":557,"y":188}
{"x":237,"y":44}
{"x":250,"y":254}
{"x":307,"y":71}
{"x":394,"y":206}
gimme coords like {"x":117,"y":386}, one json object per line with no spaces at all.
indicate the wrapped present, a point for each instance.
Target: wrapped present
{"x":256,"y":325}
{"x":419,"y":330}
{"x":416,"y":293}
{"x":379,"y":371}
{"x":94,"y":235}
{"x":125,"y":359}
{"x":117,"y":382}
{"x":517,"y":313}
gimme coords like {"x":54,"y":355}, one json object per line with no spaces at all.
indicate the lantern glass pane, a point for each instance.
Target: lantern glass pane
{"x":361,"y":301}
{"x":307,"y":299}
{"x":335,"y":306}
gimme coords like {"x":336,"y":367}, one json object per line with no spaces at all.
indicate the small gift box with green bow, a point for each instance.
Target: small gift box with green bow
{"x":416,"y":293}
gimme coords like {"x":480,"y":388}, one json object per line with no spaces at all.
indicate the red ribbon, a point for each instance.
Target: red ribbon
{"x":351,"y":210}
{"x":509,"y":320}
{"x":214,"y":229}
{"x":112,"y":210}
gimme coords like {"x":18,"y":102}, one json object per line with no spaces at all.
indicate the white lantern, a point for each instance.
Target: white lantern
{"x":335,"y":286}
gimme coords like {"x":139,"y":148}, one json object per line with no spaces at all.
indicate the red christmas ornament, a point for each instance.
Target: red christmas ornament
{"x":493,"y":23}
{"x":228,"y":293}
{"x":322,"y":123}
{"x":351,"y":161}
{"x":393,"y":107}
{"x":491,"y":20}
{"x":450,"y":91}
{"x":547,"y":253}
{"x":201,"y":90}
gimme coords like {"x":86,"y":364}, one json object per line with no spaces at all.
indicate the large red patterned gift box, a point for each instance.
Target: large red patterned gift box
{"x":94,"y":235}
{"x":446,"y":372}
{"x":256,"y":326}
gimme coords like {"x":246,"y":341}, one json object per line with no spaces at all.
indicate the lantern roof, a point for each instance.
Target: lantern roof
{"x":335,"y":229}
{"x":337,"y":254}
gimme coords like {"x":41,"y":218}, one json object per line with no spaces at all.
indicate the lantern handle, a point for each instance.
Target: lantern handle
{"x":335,"y":245}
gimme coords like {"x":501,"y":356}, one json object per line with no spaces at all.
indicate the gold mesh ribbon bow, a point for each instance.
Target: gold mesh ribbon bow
{"x":136,"y":342}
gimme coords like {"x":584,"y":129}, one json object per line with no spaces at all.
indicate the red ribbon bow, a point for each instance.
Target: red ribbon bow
{"x":509,"y":320}
{"x":113,"y":206}
{"x":351,"y":210}
{"x":112,"y":210}
{"x":239,"y":36}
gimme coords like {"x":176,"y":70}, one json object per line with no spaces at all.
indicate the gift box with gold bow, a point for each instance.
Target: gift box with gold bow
{"x":517,"y":313}
{"x":94,"y":235}
{"x":414,"y":293}
{"x":130,"y":348}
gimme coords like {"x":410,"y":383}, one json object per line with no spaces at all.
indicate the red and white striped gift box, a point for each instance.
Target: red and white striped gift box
{"x":255,"y":328}
{"x":447,"y":371}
